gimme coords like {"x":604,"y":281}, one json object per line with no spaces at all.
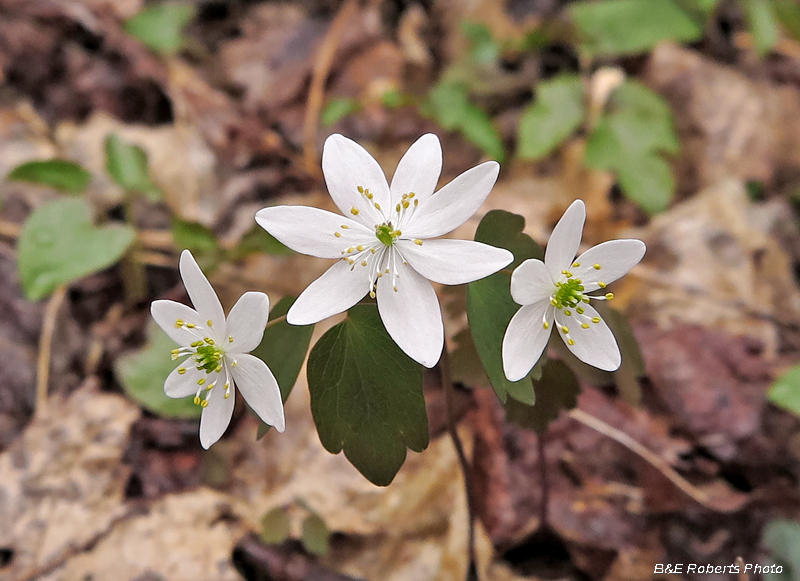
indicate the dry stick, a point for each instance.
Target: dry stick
{"x":45,"y":346}
{"x":449,"y":398}
{"x":316,"y":91}
{"x":634,"y":446}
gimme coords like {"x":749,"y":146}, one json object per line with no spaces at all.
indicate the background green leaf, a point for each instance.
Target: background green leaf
{"x":201,"y":241}
{"x":59,"y":244}
{"x":315,"y":536}
{"x":556,"y":390}
{"x":338,"y":109}
{"x":556,"y":114}
{"x":782,"y":538}
{"x":785,"y":392}
{"x":258,"y":241}
{"x":60,"y":174}
{"x":283,"y":349}
{"x":762,"y":23}
{"x":366,"y":396}
{"x":275,"y":526}
{"x":142,"y":375}
{"x":126,"y":163}
{"x":160,"y":27}
{"x":620,"y":27}
{"x":489,"y":303}
{"x":484,"y":48}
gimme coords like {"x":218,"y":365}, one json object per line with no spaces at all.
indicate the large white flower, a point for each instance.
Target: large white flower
{"x":383,"y":242}
{"x":556,"y":290}
{"x":218,"y":353}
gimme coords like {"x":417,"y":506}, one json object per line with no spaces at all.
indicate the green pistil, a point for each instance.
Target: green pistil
{"x":208,"y":357}
{"x":568,"y":294}
{"x":386,"y":234}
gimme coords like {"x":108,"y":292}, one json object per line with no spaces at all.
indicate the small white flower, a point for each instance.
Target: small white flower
{"x":218,"y":353}
{"x":556,"y":290}
{"x":383,"y":244}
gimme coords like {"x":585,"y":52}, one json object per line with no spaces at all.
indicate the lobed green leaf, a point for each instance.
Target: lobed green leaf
{"x":366,"y":396}
{"x":126,"y":163}
{"x":63,"y":175}
{"x":556,"y":390}
{"x":556,"y":114}
{"x":160,"y":27}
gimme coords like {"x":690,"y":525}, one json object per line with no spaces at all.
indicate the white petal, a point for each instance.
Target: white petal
{"x":334,"y":292}
{"x":246,"y":322}
{"x":595,"y":345}
{"x":167,"y":313}
{"x":203,"y":297}
{"x":313,"y":231}
{"x":217,"y":415}
{"x":412,"y":316}
{"x":418,"y":170}
{"x":615,"y":257}
{"x":183,"y":384}
{"x":454,"y":204}
{"x":454,"y":261}
{"x":531,"y":283}
{"x":346,"y":166}
{"x":526,"y":338}
{"x":565,"y":239}
{"x":259,"y":388}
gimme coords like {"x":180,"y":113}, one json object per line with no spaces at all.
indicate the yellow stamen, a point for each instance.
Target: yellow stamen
{"x":568,"y":313}
{"x":377,"y":205}
{"x":360,"y":247}
{"x":565,"y":330}
{"x":354,"y":211}
{"x":190,"y":325}
{"x":337,"y":234}
{"x":585,"y":326}
{"x":576,"y":264}
{"x":344,"y":226}
{"x":204,"y":403}
{"x":418,"y":242}
{"x":570,"y":342}
{"x":179,"y":323}
{"x":595,"y":320}
{"x":181,"y":370}
{"x":546,"y":325}
{"x":210,"y":323}
{"x":596,"y":266}
{"x":601,"y":284}
{"x":201,"y":381}
{"x":609,"y":296}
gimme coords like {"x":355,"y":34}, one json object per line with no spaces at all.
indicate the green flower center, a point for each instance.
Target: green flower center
{"x":208,"y":356}
{"x":386,"y":233}
{"x":568,"y":294}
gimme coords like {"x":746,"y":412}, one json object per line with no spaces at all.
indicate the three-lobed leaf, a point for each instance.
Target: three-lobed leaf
{"x":366,"y":396}
{"x":556,"y":390}
{"x":160,"y":27}
{"x":142,"y":375}
{"x":60,"y":244}
{"x":623,"y":27}
{"x":490,"y":306}
{"x":556,"y":114}
{"x":63,"y":175}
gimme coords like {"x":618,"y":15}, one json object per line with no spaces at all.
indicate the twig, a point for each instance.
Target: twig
{"x":608,"y":430}
{"x":46,"y":344}
{"x":275,"y":321}
{"x":319,"y":75}
{"x":449,"y":398}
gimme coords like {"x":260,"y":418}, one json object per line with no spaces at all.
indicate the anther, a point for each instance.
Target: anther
{"x":360,"y":190}
{"x":210,"y":323}
{"x":564,"y":329}
{"x":377,"y":205}
{"x":190,"y":325}
{"x":208,"y":340}
{"x":230,"y":338}
{"x":576,"y":264}
{"x":406,"y":204}
{"x":554,"y":302}
{"x":201,"y":381}
{"x":344,"y":226}
{"x":363,"y":263}
{"x":570,"y":342}
{"x":580,"y":310}
{"x":337,"y":234}
{"x":595,"y":320}
{"x":372,"y":294}
{"x":354,"y":211}
{"x":609,"y":296}
{"x":584,"y":325}
{"x":179,"y":323}
{"x":418,"y":242}
{"x":568,"y":312}
{"x":601,"y":284}
{"x":596,"y":266}
{"x":411,"y":195}
{"x":416,"y":202}
{"x":204,"y":403}
{"x":181,"y":370}
{"x":197,"y":400}
{"x":546,"y":325}
{"x":397,"y":208}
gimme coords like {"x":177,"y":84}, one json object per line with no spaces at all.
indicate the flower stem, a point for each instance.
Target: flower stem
{"x":449,"y":397}
{"x":134,"y":279}
{"x":45,"y":346}
{"x":275,"y":321}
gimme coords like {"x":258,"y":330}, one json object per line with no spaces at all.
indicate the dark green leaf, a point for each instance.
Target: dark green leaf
{"x":59,"y":244}
{"x":283,"y":349}
{"x":632,"y":367}
{"x":557,"y":390}
{"x":316,"y":535}
{"x":275,"y":526}
{"x":556,"y":114}
{"x":785,"y":392}
{"x":126,"y":163}
{"x":60,"y":174}
{"x":619,"y":27}
{"x":489,"y":303}
{"x":257,"y":241}
{"x":338,"y":109}
{"x":782,"y":538}
{"x":762,"y":23}
{"x":142,"y":375}
{"x":366,"y":396}
{"x":200,"y":241}
{"x":160,"y":27}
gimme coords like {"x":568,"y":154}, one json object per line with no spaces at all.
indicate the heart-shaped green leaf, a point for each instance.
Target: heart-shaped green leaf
{"x":366,"y":396}
{"x":59,"y":244}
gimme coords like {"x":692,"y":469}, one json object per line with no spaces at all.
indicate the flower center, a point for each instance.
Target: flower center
{"x":568,"y":294}
{"x":207,"y":356}
{"x":386,"y":233}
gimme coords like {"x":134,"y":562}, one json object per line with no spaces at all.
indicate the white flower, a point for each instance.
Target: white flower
{"x":383,"y":244}
{"x":218,"y":353}
{"x":556,"y":290}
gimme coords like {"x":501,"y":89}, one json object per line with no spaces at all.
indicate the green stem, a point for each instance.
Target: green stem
{"x":133,"y":275}
{"x":449,"y":397}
